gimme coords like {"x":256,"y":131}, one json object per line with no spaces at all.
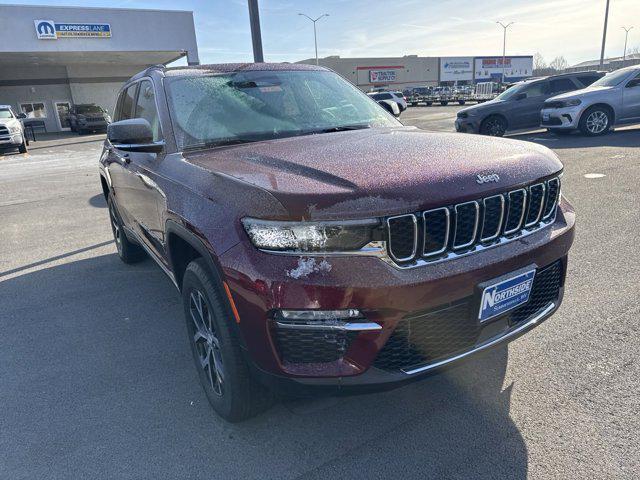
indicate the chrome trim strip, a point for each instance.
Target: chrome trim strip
{"x":487,"y":344}
{"x":541,"y":209}
{"x":415,"y":237}
{"x":424,"y":228}
{"x":341,"y":327}
{"x":484,"y":204}
{"x":153,"y":256}
{"x":555,"y":200}
{"x":524,"y":210}
{"x":475,"y":226}
{"x":371,"y":249}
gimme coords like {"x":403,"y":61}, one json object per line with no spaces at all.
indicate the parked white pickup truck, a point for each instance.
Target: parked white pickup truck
{"x":11,"y":130}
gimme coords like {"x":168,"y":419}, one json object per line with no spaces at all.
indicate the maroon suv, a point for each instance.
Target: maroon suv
{"x":320,"y":245}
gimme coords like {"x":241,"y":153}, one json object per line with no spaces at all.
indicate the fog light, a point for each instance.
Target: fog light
{"x":345,"y":320}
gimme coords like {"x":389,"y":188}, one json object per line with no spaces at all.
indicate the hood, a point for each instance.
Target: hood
{"x":582,"y":93}
{"x":9,"y":121}
{"x":378,"y":172}
{"x":493,"y":103}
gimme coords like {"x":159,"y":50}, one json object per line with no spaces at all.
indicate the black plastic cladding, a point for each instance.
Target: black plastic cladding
{"x":498,"y":217}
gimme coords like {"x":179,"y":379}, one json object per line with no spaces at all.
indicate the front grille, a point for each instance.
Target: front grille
{"x":461,"y":228}
{"x":311,"y":346}
{"x":4,"y":131}
{"x":552,"y":121}
{"x":421,"y":338}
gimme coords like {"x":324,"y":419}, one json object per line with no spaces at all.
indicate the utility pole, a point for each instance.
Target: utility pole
{"x":315,"y":37}
{"x":504,"y":43}
{"x":256,"y":36}
{"x":604,"y":35}
{"x":626,"y":35}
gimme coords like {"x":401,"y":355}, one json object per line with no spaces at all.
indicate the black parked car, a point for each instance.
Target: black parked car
{"x":519,"y":106}
{"x":88,"y":117}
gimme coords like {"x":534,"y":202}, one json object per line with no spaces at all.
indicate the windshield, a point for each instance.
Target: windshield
{"x":88,"y":109}
{"x":5,"y":113}
{"x":612,"y":79}
{"x":260,"y":105}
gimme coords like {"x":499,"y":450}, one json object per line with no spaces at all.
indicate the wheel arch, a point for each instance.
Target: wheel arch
{"x":604,"y":105}
{"x":498,"y":115}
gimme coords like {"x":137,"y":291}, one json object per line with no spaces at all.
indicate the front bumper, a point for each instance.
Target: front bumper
{"x":560,"y":118}
{"x":261,"y":283}
{"x":11,"y":140}
{"x":467,"y":125}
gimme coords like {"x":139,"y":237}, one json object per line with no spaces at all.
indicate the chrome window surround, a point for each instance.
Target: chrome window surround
{"x":499,"y":229}
{"x":446,"y":235}
{"x":415,"y":237}
{"x":475,"y":225}
{"x":524,"y":211}
{"x":542,"y":202}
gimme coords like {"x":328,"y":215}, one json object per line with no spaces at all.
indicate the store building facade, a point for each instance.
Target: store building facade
{"x":54,"y":57}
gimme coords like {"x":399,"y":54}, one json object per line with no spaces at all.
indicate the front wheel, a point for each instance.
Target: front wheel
{"x":461,"y":102}
{"x":23,"y":147}
{"x":494,"y":126}
{"x":444,"y":103}
{"x":595,"y":121}
{"x":222,"y":369}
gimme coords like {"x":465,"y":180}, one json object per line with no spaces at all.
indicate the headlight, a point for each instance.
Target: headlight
{"x":15,"y":129}
{"x":572,"y":103}
{"x":344,"y":236}
{"x":472,"y":113}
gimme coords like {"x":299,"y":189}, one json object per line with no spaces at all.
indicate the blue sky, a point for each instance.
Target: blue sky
{"x":572,"y":28}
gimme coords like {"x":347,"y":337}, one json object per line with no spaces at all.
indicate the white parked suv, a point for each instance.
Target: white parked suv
{"x":397,"y":97}
{"x":11,"y":130}
{"x":610,"y":101}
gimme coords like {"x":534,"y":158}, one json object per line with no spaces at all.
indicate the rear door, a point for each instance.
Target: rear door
{"x":631,"y":101}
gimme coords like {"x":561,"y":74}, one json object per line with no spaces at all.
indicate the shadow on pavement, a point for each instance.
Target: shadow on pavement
{"x":98,"y":201}
{"x":619,"y":138}
{"x":97,"y":381}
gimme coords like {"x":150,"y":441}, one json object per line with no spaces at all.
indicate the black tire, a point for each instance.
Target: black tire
{"x":234,"y":394}
{"x":444,"y":103}
{"x":23,"y":148}
{"x":461,"y":102}
{"x":494,"y":126}
{"x":596,"y":121}
{"x":128,"y":251}
{"x":560,"y":131}
{"x":414,"y":104}
{"x":429,"y":104}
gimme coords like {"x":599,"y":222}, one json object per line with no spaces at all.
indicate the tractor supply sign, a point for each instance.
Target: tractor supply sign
{"x":490,"y":68}
{"x":454,"y":69}
{"x":382,"y":76}
{"x":50,"y":30}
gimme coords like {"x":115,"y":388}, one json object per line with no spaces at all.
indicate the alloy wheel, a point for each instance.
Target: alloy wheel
{"x":206,"y":341}
{"x":597,"y":122}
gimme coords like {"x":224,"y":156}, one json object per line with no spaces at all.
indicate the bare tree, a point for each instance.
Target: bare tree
{"x":559,"y":64}
{"x":539,"y":62}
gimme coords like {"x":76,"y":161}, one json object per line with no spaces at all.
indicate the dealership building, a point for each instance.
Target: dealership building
{"x":54,"y":57}
{"x":414,"y":71}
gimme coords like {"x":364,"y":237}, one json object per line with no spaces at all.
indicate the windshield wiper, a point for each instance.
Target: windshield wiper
{"x":344,"y":128}
{"x":219,"y":143}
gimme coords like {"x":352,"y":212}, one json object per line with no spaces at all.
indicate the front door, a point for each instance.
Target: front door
{"x":62,"y":115}
{"x":525,"y":111}
{"x":631,"y":100}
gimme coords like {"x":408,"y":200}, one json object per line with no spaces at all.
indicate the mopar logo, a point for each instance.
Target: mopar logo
{"x":492,"y":177}
{"x":45,"y":29}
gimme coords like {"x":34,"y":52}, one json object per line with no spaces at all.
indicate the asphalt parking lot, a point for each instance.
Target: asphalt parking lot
{"x":97,"y":381}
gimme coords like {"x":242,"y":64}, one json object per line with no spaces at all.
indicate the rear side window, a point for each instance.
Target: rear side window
{"x":587,"y":80}
{"x":561,"y":85}
{"x":383,"y":96}
{"x":146,"y":108}
{"x":126,"y":103}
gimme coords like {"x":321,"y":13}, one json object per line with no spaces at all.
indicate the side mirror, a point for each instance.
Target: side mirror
{"x":22,"y":115}
{"x":634,"y":83}
{"x":520,"y":96}
{"x":133,"y":135}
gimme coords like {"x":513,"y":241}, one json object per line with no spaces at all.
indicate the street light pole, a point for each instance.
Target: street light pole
{"x":626,"y":35}
{"x":256,"y":36}
{"x":504,"y":43}
{"x":604,"y":35}
{"x":315,"y":37}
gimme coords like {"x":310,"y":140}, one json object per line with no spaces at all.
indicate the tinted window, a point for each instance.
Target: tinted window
{"x":383,"y":96}
{"x":146,"y":108}
{"x":561,"y":85}
{"x":126,"y":102}
{"x":587,"y":80}
{"x":535,"y":89}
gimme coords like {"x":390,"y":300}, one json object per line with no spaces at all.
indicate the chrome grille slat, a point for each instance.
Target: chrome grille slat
{"x":441,"y":239}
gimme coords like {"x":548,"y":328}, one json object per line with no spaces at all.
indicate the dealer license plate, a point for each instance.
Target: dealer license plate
{"x":505,"y":295}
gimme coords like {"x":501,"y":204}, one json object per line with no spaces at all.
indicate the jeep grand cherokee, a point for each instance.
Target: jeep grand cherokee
{"x":318,"y":244}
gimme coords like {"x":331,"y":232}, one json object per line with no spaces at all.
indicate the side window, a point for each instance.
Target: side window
{"x":385,"y":96}
{"x":126,"y":103}
{"x":535,"y":89}
{"x":561,"y":85}
{"x":146,"y":108}
{"x":587,"y":80}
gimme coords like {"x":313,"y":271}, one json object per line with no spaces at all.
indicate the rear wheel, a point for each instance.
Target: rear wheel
{"x":223,"y":372}
{"x":127,"y":251}
{"x":23,"y":147}
{"x":595,"y":121}
{"x":444,"y":103}
{"x":462,"y":102}
{"x":494,"y":126}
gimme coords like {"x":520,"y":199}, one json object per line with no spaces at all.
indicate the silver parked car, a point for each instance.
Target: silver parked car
{"x":611,"y":101}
